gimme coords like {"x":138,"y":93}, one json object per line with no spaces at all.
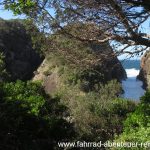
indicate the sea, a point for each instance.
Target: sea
{"x":132,"y":86}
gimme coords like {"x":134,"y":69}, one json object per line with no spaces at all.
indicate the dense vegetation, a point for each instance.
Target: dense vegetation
{"x":29,"y":118}
{"x":84,"y":106}
{"x":81,"y":108}
{"x":137,"y":125}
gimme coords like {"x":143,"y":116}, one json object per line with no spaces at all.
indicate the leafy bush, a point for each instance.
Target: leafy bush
{"x":96,"y":115}
{"x":30,"y":119}
{"x":137,"y":124}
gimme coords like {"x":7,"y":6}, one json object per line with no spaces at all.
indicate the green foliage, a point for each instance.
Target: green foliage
{"x":93,"y":105}
{"x":20,"y":6}
{"x":29,"y":94}
{"x":137,"y":124}
{"x":89,"y":78}
{"x":3,"y":72}
{"x":96,"y":115}
{"x":31,"y":120}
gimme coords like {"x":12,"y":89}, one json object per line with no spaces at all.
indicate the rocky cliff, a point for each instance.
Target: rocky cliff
{"x":16,"y":45}
{"x":90,"y":63}
{"x":144,"y":74}
{"x":51,"y":75}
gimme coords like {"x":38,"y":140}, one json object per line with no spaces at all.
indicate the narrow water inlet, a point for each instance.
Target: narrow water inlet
{"x":132,"y":86}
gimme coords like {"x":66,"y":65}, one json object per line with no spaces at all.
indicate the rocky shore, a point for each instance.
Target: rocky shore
{"x":144,"y":74}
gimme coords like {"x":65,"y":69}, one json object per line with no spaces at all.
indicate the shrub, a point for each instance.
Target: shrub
{"x":30,"y":119}
{"x":137,"y":124}
{"x":96,"y":115}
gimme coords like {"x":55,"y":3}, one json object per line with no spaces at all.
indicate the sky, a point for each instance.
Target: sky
{"x":145,"y":28}
{"x":5,"y":14}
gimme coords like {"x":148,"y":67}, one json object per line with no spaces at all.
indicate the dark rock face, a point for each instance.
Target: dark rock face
{"x":144,"y":74}
{"x":111,"y":67}
{"x":20,"y":58}
{"x":115,"y":69}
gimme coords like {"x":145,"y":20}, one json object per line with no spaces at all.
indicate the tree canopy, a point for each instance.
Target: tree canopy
{"x":117,"y":20}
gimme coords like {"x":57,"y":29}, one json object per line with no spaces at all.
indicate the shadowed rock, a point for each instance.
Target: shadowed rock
{"x":16,"y":45}
{"x":144,"y":74}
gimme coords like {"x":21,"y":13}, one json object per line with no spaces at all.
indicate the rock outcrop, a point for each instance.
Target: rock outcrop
{"x":16,"y":45}
{"x":144,"y":74}
{"x":50,"y":80}
{"x":111,"y":68}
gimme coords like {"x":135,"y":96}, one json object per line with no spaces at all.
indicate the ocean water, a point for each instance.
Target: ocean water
{"x":129,"y":64}
{"x":132,"y":86}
